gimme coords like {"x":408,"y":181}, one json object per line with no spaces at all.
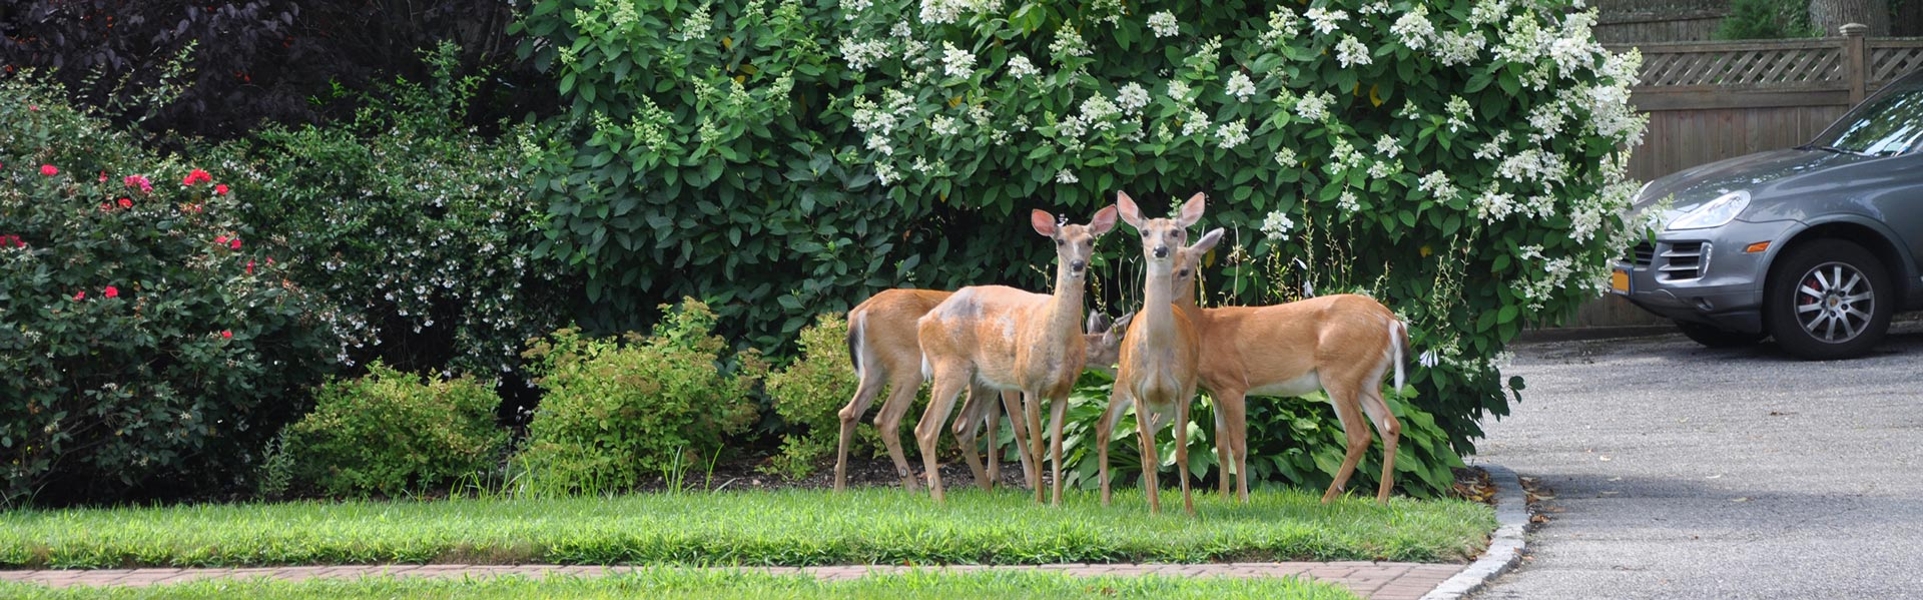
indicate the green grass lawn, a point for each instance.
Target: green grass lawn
{"x":722,"y":584}
{"x":794,"y":527}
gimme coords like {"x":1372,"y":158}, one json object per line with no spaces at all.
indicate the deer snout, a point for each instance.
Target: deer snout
{"x":1161,"y":251}
{"x":1077,"y":265}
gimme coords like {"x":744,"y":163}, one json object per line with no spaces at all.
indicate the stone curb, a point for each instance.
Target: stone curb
{"x":1505,"y":545}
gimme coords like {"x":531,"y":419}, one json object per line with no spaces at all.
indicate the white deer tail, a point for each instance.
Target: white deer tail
{"x":1399,"y":349}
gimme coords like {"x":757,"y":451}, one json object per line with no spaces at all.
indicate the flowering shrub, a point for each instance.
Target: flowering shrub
{"x":390,"y":433}
{"x":1460,"y":160}
{"x":420,"y":227}
{"x":142,"y":344}
{"x":619,"y":411}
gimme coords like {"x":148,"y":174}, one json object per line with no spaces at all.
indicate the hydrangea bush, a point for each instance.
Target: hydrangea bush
{"x":147,"y":344}
{"x":1461,"y":160}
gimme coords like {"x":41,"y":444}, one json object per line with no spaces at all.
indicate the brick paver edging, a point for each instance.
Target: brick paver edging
{"x":1374,"y":580}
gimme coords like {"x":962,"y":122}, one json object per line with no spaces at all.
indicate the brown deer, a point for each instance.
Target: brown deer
{"x":1010,"y":339}
{"x":882,"y":344}
{"x":1342,"y":344}
{"x":1159,"y":354}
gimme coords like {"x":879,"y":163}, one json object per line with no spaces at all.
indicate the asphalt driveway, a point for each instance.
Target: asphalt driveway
{"x":1684,"y":472}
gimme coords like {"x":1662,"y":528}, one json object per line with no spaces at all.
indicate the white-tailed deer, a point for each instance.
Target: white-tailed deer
{"x":1342,"y":344}
{"x":882,"y":344}
{"x":1010,"y":339}
{"x":1102,"y":341}
{"x":1159,"y":353}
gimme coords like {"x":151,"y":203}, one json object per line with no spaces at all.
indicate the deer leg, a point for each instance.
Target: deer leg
{"x":1145,"y":426}
{"x":901,"y":397}
{"x":928,"y":431}
{"x":1224,"y":451}
{"x":1235,"y":408}
{"x":993,"y":418}
{"x":1354,"y":430}
{"x":1060,"y":413}
{"x":1032,"y":407}
{"x":1182,"y":448}
{"x":1118,"y":401}
{"x":865,"y":393}
{"x":1017,"y":422}
{"x":1391,"y":430}
{"x":967,"y":425}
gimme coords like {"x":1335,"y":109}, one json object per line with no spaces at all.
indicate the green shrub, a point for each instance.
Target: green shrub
{"x":390,"y":433}
{"x":809,"y":394}
{"x":146,"y":341}
{"x":419,"y":226}
{"x":615,"y":412}
{"x":1767,"y":20}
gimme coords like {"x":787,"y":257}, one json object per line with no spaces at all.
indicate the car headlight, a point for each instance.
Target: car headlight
{"x":1715,"y":213}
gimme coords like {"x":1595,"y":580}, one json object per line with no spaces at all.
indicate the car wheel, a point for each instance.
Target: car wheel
{"x":1828,"y":299}
{"x":1713,"y":337}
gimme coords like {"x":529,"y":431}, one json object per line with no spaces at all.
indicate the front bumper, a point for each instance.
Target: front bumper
{"x":1704,"y":276}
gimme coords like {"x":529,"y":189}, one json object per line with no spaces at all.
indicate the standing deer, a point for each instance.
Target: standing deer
{"x":1010,"y":339}
{"x":1159,"y":355}
{"x":1342,"y":344}
{"x":882,"y":345}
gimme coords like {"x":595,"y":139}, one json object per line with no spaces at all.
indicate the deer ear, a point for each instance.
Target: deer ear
{"x":1119,"y":328}
{"x":1103,"y":222}
{"x":1044,"y":223}
{"x":1131,"y":213}
{"x":1202,"y":246}
{"x":1192,"y":210}
{"x":1097,"y":322}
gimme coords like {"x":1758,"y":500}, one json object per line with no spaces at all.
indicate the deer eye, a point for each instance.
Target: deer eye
{"x":1059,"y":241}
{"x":1182,"y":273}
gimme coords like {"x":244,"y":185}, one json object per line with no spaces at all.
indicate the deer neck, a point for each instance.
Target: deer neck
{"x":1062,"y":318}
{"x":1158,"y":316}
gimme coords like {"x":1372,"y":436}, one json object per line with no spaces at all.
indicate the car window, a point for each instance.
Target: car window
{"x":1890,"y":122}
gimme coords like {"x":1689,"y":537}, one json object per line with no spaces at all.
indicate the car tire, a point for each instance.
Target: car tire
{"x":1828,"y":299}
{"x":1711,"y":336}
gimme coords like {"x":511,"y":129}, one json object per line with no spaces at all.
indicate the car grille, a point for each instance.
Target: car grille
{"x":1642,"y":254}
{"x":1682,"y":261}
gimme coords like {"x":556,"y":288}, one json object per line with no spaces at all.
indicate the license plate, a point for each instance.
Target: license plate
{"x":1619,"y":281}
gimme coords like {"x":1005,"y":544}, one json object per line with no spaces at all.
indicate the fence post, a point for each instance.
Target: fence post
{"x":1855,"y":59}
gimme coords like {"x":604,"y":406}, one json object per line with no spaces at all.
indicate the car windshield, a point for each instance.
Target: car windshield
{"x":1890,"y":122}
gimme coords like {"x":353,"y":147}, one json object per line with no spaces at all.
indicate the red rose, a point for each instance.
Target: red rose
{"x":126,"y":203}
{"x":220,"y":190}
{"x":196,"y":176}
{"x":139,"y":182}
{"x":220,"y":239}
{"x":250,"y":267}
{"x":80,"y":295}
{"x":110,"y":292}
{"x":49,"y":170}
{"x":236,"y":244}
{"x":226,"y":334}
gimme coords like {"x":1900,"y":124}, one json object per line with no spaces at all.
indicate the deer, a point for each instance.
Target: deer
{"x":1102,"y":341}
{"x":1342,"y":344}
{"x":883,"y":345}
{"x":1159,"y":356}
{"x":1010,"y":339}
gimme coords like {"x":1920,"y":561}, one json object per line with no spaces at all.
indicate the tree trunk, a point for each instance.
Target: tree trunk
{"x":1829,"y":15}
{"x":1908,"y":18}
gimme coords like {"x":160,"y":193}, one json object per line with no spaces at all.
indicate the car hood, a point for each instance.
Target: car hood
{"x":1764,"y":174}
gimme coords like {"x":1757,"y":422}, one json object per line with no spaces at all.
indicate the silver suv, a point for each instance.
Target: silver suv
{"x":1816,"y":246}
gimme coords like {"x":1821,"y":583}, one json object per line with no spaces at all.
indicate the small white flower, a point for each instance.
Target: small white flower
{"x":1383,"y":169}
{"x":1020,"y":68}
{"x":1241,"y":86}
{"x":1277,"y":225}
{"x":1387,"y":146}
{"x":1437,"y":184}
{"x":1068,"y":42}
{"x":1163,"y":24}
{"x":1286,"y":158}
{"x":1325,"y":21}
{"x":1282,"y":25}
{"x":1232,"y":134}
{"x":957,"y":62}
{"x":854,"y":8}
{"x":1194,"y":122}
{"x":944,"y":126}
{"x":1178,"y":90}
{"x":1351,"y":52}
{"x":1427,"y":359}
{"x":1348,"y":203}
{"x":1459,"y":113}
{"x":1413,"y":28}
{"x":900,"y":30}
{"x":1314,"y":107}
{"x":1132,"y":97}
{"x":886,"y":173}
{"x":1066,"y":177}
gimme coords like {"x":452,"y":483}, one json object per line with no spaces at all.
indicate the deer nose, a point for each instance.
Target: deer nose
{"x":1077,"y":265}
{"x":1161,"y":251}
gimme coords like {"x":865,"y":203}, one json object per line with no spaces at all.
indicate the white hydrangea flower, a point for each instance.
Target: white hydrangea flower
{"x":1066,"y":177}
{"x":1493,"y":206}
{"x":900,"y":30}
{"x":1488,"y":11}
{"x":944,"y":126}
{"x":697,"y":25}
{"x":956,"y":62}
{"x":1314,"y":107}
{"x":1132,"y":97}
{"x":1325,"y":21}
{"x":853,"y":8}
{"x":940,"y":11}
{"x":1437,"y":185}
{"x":1455,"y":49}
{"x":1349,"y":203}
{"x":1164,"y":25}
{"x":863,"y":54}
{"x":880,"y":144}
{"x":886,"y":173}
{"x":1459,"y":113}
{"x":1178,"y":90}
{"x":1020,"y":68}
{"x":1382,"y":169}
{"x":1388,"y":146}
{"x":1194,"y":122}
{"x":1547,"y":119}
{"x":1099,"y":113}
{"x":1413,"y":28}
{"x":1277,"y":225}
{"x":1493,"y":148}
{"x":1286,"y":158}
{"x":1068,"y":42}
{"x":1232,"y":134}
{"x":1241,"y":86}
{"x":1283,"y":24}
{"x":1343,"y":156}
